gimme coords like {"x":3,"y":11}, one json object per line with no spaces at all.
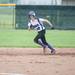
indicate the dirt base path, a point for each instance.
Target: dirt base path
{"x":32,"y":61}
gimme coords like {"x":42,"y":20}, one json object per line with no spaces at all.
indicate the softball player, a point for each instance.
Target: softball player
{"x":37,"y":24}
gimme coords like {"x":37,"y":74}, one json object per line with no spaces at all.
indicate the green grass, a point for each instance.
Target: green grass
{"x":6,"y":21}
{"x":7,"y":17}
{"x":24,"y":38}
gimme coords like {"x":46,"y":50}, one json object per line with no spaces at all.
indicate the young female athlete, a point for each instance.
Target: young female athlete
{"x":37,"y":23}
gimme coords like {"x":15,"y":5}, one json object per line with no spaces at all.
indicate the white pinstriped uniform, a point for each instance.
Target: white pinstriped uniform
{"x":37,"y":24}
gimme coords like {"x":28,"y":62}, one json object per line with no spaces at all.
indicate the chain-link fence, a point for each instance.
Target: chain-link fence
{"x":62,"y":17}
{"x":7,"y":16}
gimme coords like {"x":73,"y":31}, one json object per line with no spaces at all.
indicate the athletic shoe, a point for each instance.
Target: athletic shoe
{"x":53,"y":52}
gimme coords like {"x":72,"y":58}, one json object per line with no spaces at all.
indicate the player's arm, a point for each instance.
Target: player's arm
{"x":47,"y":21}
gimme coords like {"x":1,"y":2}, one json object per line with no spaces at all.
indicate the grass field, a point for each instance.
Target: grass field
{"x":24,"y":38}
{"x":7,"y":17}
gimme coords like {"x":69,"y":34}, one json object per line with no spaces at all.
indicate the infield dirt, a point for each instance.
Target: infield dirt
{"x":32,"y":61}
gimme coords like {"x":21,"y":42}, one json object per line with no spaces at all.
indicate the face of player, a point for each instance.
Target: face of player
{"x":32,"y":17}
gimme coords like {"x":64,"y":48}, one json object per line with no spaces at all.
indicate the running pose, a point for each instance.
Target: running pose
{"x":37,"y":23}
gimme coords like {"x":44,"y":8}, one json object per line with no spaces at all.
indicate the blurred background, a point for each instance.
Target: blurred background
{"x":42,"y":2}
{"x":60,"y":12}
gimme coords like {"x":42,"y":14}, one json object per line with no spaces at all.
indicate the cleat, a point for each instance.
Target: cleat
{"x":53,"y":52}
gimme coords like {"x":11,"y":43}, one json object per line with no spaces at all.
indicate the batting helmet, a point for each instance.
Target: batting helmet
{"x":31,"y":13}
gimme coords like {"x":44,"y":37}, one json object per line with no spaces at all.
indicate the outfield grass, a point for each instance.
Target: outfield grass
{"x":7,"y":18}
{"x":24,"y":38}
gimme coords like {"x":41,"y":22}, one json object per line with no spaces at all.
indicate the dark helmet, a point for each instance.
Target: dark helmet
{"x":31,"y":13}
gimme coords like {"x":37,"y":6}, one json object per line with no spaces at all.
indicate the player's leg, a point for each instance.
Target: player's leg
{"x":38,"y":41}
{"x":47,"y":44}
{"x":44,"y":47}
{"x":41,"y":34}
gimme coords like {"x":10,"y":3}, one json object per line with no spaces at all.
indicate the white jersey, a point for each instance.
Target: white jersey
{"x":37,"y":24}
